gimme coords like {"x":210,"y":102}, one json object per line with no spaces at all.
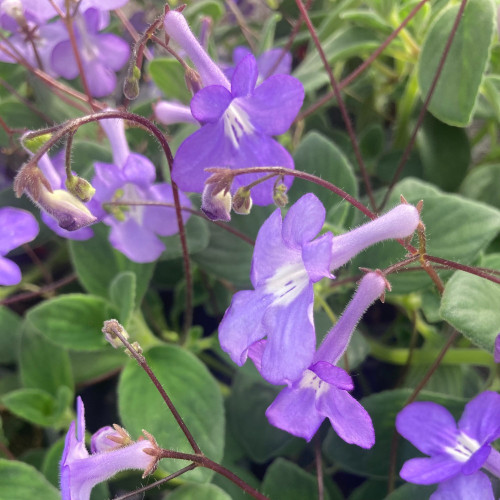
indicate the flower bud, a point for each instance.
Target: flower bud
{"x":131,"y":83}
{"x":110,"y":329}
{"x":216,"y":203}
{"x":242,"y":201}
{"x":80,"y":188}
{"x":280,"y":197}
{"x":35,"y":143}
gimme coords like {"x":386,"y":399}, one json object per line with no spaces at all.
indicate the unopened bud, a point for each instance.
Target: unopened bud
{"x":35,"y":143}
{"x":193,"y":80}
{"x":242,"y":201}
{"x":80,"y":188}
{"x":280,"y":197}
{"x":216,"y":203}
{"x":131,"y":83}
{"x":137,"y":348}
{"x":111,"y":329}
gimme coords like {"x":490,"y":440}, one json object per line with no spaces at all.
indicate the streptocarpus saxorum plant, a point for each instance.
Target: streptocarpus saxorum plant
{"x":384,"y":115}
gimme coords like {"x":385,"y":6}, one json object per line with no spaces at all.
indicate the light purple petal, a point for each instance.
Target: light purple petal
{"x":208,"y":104}
{"x":477,"y":460}
{"x":474,"y":487}
{"x":317,"y":257}
{"x":10,"y":274}
{"x":303,"y":221}
{"x":244,"y":77}
{"x":333,"y":375}
{"x":239,"y":53}
{"x":348,"y":417}
{"x":101,"y":79}
{"x":274,"y":104}
{"x":113,"y":50}
{"x":428,"y":426}
{"x":241,"y":325}
{"x":267,"y":61}
{"x":135,"y":241}
{"x":108,"y":178}
{"x":82,"y":234}
{"x":255,"y":353}
{"x":163,"y":220}
{"x":294,"y":411}
{"x":80,"y":420}
{"x":270,"y":252}
{"x":100,"y":441}
{"x":115,"y":130}
{"x":481,"y":418}
{"x":139,"y":170}
{"x":18,"y":227}
{"x":173,"y":112}
{"x":99,"y":4}
{"x":430,"y":470}
{"x":291,"y":338}
{"x":63,"y":60}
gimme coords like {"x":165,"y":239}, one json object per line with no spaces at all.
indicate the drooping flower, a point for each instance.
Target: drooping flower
{"x":112,"y":451}
{"x":134,"y":228}
{"x":456,"y":452}
{"x":286,"y":262}
{"x":237,"y":119}
{"x":322,"y":390}
{"x":54,"y":172}
{"x":18,"y":227}
{"x":102,"y":54}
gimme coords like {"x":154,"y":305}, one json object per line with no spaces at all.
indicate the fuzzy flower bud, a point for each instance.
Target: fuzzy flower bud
{"x":242,"y":201}
{"x":80,"y":188}
{"x":280,"y":197}
{"x":216,"y":203}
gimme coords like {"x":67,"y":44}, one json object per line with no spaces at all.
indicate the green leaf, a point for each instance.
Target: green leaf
{"x":247,"y":405}
{"x":227,"y":256}
{"x":91,"y":365}
{"x":317,"y":155}
{"x":122,"y":295}
{"x":412,"y":492}
{"x":382,"y":408}
{"x":343,"y":44}
{"x":199,"y":492}
{"x":97,"y":264}
{"x":456,"y":93}
{"x":457,"y":229}
{"x":209,"y":8}
{"x":285,"y":480}
{"x":44,"y":365}
{"x":482,"y":183}
{"x":21,"y":481}
{"x":470,"y":304}
{"x":445,"y":153}
{"x":38,"y":406}
{"x":10,"y":324}
{"x":50,"y":464}
{"x":197,"y":235}
{"x":168,"y":75}
{"x":194,"y":393}
{"x":72,"y":320}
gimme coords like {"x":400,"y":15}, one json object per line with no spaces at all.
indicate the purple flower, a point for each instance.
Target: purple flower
{"x":101,"y":54}
{"x":54,"y":171}
{"x":112,"y":451}
{"x":134,"y":228}
{"x":322,"y":390}
{"x":18,"y":227}
{"x":33,"y":11}
{"x":237,"y":118}
{"x":286,"y":262}
{"x":456,"y":452}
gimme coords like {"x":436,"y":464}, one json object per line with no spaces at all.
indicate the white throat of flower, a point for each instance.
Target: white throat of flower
{"x":311,"y":381}
{"x":236,"y":123}
{"x":287,"y":283}
{"x":464,"y":449}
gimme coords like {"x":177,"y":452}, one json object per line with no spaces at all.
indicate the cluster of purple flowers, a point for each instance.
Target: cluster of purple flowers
{"x":41,"y":38}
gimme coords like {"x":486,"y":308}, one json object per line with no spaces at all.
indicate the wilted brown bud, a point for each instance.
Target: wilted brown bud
{"x":280,"y":197}
{"x":242,"y":201}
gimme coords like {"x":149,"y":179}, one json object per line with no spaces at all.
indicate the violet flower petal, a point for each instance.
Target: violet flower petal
{"x":18,"y":227}
{"x":139,"y":170}
{"x":485,"y":429}
{"x":429,"y":426}
{"x":333,"y":375}
{"x":294,"y":411}
{"x":114,"y":51}
{"x":474,"y":487}
{"x":348,"y":417}
{"x":274,"y":104}
{"x":169,"y":113}
{"x":317,"y":258}
{"x":10,"y":274}
{"x":430,"y":470}
{"x":267,"y":61}
{"x":244,"y":77}
{"x":209,"y":103}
